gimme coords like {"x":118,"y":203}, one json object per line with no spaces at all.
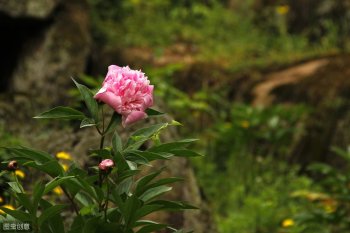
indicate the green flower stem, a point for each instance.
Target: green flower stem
{"x":71,"y":200}
{"x":107,"y":199}
{"x":102,"y":133}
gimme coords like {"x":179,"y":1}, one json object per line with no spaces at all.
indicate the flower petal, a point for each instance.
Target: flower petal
{"x":110,"y":99}
{"x":133,"y":117}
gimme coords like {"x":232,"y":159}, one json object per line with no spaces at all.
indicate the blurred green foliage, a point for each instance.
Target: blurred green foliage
{"x":330,"y":204}
{"x":236,"y":37}
{"x":246,"y":176}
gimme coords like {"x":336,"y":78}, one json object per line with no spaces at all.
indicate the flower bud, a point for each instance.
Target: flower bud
{"x":106,"y":165}
{"x":12,"y":165}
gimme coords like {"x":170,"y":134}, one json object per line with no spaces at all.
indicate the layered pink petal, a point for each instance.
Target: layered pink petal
{"x":133,"y":117}
{"x":110,"y":99}
{"x":128,"y":92}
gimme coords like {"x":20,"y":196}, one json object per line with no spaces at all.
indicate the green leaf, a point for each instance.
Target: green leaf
{"x":35,"y":155}
{"x":50,"y":212}
{"x":124,"y":186}
{"x":184,"y":153}
{"x":113,"y":214}
{"x":60,"y":112}
{"x":17,"y":214}
{"x":342,"y":153}
{"x":322,"y":168}
{"x":152,"y":228}
{"x":147,"y":209}
{"x":117,"y":143}
{"x":87,"y":122}
{"x":120,"y":161}
{"x":154,"y":192}
{"x":56,"y":182}
{"x":142,"y":182}
{"x":114,"y":122}
{"x":144,"y":222}
{"x":103,"y":153}
{"x":88,"y":209}
{"x":172,"y":145}
{"x":136,"y":158}
{"x":77,"y":224}
{"x":91,"y":225}
{"x":89,"y":100}
{"x":37,"y":193}
{"x":153,"y":112}
{"x":52,"y":168}
{"x":142,"y":135}
{"x":16,"y":187}
{"x":125,"y":174}
{"x":173,"y":205}
{"x":164,"y":181}
{"x":24,"y":200}
{"x":150,"y":156}
{"x":160,"y":182}
{"x":129,"y":210}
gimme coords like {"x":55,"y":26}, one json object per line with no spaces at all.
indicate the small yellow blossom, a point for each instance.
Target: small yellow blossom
{"x":65,"y":167}
{"x":63,"y":155}
{"x":282,"y":9}
{"x":245,"y":124}
{"x":10,"y":207}
{"x":1,"y":200}
{"x":58,"y":190}
{"x":20,"y":174}
{"x":287,"y":222}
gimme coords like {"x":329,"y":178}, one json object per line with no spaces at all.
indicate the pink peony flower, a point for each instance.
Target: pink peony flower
{"x":128,"y":92}
{"x":106,"y":164}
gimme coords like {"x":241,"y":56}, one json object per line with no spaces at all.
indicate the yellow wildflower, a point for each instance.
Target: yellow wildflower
{"x":245,"y":124}
{"x":20,"y":174}
{"x":10,"y":207}
{"x":65,"y":167}
{"x":58,"y":190}
{"x":287,"y":222}
{"x":282,"y":9}
{"x":1,"y":200}
{"x":63,"y":155}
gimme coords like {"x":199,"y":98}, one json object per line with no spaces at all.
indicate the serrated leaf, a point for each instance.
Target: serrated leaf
{"x":65,"y":113}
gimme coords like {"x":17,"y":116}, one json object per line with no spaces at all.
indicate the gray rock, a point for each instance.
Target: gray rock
{"x":28,"y":8}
